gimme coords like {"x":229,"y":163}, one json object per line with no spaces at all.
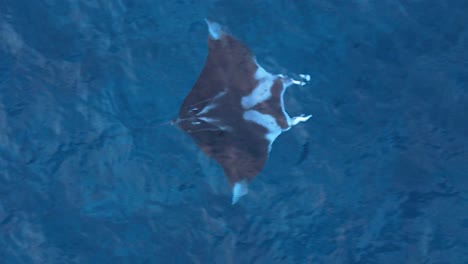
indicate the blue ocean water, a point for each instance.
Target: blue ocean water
{"x":90,"y":173}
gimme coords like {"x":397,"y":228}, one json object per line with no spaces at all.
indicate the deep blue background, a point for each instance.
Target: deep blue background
{"x":87,"y":174}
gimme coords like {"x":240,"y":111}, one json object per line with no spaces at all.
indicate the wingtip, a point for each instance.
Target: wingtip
{"x":238,"y":190}
{"x":215,"y":30}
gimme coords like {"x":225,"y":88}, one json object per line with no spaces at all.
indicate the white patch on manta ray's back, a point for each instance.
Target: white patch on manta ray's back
{"x":206,"y":109}
{"x":266,"y":121}
{"x":208,"y":120}
{"x":260,"y":93}
{"x":219,"y":95}
{"x":212,"y":105}
{"x":215,"y":122}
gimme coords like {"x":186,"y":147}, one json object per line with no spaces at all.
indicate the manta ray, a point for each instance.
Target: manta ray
{"x":235,"y":110}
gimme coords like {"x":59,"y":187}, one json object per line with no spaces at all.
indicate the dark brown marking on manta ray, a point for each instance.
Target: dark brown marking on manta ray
{"x":234,"y":111}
